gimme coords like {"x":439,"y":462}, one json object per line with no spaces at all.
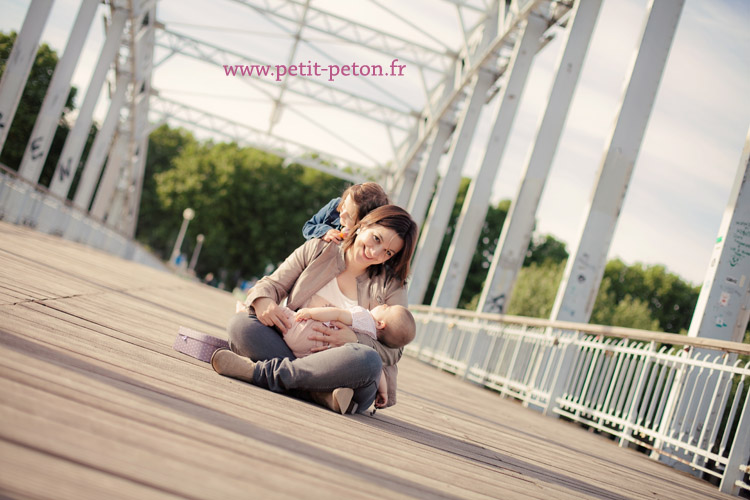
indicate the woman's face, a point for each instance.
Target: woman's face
{"x":348,"y":213}
{"x":376,"y":244}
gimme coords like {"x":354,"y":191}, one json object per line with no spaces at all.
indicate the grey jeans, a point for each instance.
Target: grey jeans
{"x":352,"y":365}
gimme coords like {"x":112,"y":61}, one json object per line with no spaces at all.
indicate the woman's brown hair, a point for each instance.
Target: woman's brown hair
{"x":367,"y":196}
{"x":395,"y":218}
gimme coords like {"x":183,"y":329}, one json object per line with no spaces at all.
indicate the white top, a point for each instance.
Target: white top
{"x":332,"y":296}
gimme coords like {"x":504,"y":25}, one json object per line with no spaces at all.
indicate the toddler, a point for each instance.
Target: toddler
{"x":336,"y":219}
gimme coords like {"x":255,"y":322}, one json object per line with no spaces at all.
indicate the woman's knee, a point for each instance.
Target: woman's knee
{"x":251,"y":338}
{"x":368,"y":359}
{"x":240,"y":330}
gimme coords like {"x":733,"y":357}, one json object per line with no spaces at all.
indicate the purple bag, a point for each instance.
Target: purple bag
{"x":196,"y":344}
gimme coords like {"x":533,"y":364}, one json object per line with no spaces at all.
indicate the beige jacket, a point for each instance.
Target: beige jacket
{"x":313,"y":265}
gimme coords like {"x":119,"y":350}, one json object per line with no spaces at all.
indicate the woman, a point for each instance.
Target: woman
{"x":368,"y":269}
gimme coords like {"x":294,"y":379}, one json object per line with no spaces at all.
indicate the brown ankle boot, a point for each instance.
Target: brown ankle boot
{"x":225,"y":362}
{"x":339,"y":400}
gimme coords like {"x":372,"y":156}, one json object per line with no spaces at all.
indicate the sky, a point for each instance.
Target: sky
{"x":685,"y":169}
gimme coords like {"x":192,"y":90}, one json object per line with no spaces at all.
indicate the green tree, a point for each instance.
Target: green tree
{"x":545,"y":247}
{"x":535,"y":289}
{"x":670,"y":300}
{"x":249,"y":208}
{"x":629,"y":311}
{"x":485,"y":248}
{"x":164,"y":145}
{"x":29,"y":106}
{"x":541,"y":248}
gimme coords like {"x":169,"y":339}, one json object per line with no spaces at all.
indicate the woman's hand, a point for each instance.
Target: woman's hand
{"x":271,"y":314}
{"x":331,"y":337}
{"x":334,"y":235}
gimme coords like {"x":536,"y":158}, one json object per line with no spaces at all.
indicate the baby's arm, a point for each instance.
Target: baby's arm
{"x":324,"y":314}
{"x":382,"y":398}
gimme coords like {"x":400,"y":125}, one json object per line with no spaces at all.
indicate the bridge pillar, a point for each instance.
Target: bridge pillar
{"x":722,"y":313}
{"x":442,"y":203}
{"x":427,"y":177}
{"x":519,"y":225}
{"x":103,"y":200}
{"x":138,"y":146}
{"x":723,"y":307}
{"x":585,"y":267}
{"x":19,"y":63}
{"x":100,"y":147}
{"x":76,"y":140}
{"x":57,"y":93}
{"x":474,"y":209}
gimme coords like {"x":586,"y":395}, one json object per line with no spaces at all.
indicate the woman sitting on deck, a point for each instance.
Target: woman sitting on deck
{"x":368,"y":269}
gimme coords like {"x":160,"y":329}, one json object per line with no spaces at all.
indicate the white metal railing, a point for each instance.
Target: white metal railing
{"x":684,"y":400}
{"x":27,"y":204}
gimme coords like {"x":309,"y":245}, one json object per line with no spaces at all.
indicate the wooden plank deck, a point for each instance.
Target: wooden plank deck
{"x":94,"y":403}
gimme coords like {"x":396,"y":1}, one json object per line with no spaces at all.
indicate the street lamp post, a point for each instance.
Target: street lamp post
{"x":196,"y":252}
{"x":187,"y":215}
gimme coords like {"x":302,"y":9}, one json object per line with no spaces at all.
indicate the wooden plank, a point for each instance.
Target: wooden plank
{"x":95,"y":403}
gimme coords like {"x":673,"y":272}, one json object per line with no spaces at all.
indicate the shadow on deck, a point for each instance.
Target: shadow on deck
{"x":94,"y":403}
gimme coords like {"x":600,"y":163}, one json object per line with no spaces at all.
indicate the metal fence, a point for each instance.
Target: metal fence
{"x":682,"y":400}
{"x":31,"y":205}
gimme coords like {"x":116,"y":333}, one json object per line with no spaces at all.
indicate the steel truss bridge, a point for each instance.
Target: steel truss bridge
{"x":491,"y":64}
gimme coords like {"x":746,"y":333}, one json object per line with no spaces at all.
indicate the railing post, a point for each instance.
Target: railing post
{"x":632,"y":414}
{"x":570,"y":349}
{"x":739,"y":454}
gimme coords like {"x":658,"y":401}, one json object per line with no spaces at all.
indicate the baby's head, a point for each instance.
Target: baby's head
{"x":395,"y":324}
{"x":359,"y":200}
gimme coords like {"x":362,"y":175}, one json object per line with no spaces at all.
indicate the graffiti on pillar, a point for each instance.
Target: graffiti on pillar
{"x":64,"y":169}
{"x":36,"y":148}
{"x":2,"y":122}
{"x":496,"y":304}
{"x":741,"y":243}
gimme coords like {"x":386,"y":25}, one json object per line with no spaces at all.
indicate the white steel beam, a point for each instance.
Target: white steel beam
{"x":424,"y":184}
{"x":519,"y":225}
{"x":424,"y":170}
{"x":585,"y":267}
{"x":380,"y":112}
{"x":144,"y":49}
{"x":19,"y":63}
{"x":354,"y":33}
{"x":163,"y":109}
{"x":721,"y":313}
{"x":57,"y":93}
{"x":76,"y":140}
{"x":112,"y":173}
{"x":474,"y":62}
{"x":100,"y":147}
{"x":723,"y":307}
{"x":474,"y":209}
{"x":442,"y":203}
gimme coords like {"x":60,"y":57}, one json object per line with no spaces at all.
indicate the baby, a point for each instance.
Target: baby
{"x":392,"y":325}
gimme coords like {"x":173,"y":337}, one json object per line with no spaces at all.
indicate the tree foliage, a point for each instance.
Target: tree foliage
{"x":541,"y":248}
{"x":669,"y":299}
{"x":628,"y":296}
{"x":637,"y":296}
{"x":485,"y":248}
{"x":535,"y":289}
{"x":249,"y":207}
